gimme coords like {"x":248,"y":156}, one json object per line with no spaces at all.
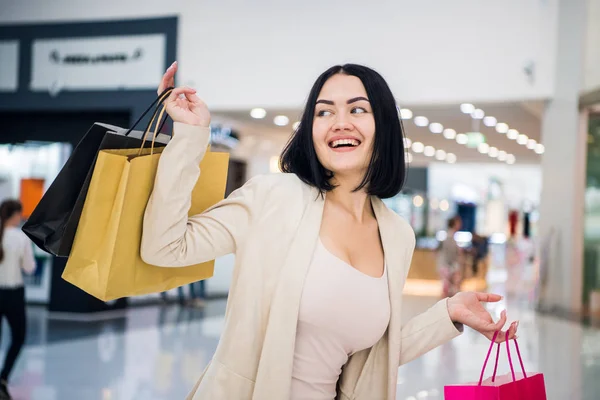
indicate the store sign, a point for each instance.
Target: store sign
{"x":223,"y":136}
{"x":9,"y":65}
{"x":98,"y":63}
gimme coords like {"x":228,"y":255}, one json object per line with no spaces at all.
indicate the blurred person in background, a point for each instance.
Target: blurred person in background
{"x":449,"y":260}
{"x":314,"y":309}
{"x":16,"y":257}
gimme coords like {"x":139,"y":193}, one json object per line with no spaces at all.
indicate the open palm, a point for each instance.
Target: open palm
{"x":467,"y":308}
{"x":183,"y":105}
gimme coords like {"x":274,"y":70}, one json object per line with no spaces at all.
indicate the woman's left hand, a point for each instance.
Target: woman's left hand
{"x":467,"y":308}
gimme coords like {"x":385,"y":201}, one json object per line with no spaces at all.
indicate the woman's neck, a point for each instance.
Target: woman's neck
{"x":356,"y":204}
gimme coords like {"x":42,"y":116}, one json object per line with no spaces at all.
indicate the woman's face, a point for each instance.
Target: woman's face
{"x":344,"y":126}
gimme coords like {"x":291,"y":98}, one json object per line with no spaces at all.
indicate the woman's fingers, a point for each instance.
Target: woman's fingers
{"x":488,"y":297}
{"x":168,"y":79}
{"x":177,"y":92}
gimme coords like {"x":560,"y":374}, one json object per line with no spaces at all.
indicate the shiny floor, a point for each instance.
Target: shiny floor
{"x":157,"y":352}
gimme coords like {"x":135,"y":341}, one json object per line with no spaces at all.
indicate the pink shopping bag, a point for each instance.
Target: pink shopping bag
{"x":507,"y":387}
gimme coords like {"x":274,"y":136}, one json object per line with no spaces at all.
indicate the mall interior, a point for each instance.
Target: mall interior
{"x":500,"y":103}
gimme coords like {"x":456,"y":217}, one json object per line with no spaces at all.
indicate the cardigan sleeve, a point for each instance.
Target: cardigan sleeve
{"x":172,"y":239}
{"x":427,"y":330}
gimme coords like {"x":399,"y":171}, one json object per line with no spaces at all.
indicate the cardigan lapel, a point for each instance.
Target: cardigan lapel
{"x":277,"y":356}
{"x":394,"y":257}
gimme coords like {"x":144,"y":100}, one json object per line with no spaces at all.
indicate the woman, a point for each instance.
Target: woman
{"x":16,"y":256}
{"x":315,"y":301}
{"x":449,"y":260}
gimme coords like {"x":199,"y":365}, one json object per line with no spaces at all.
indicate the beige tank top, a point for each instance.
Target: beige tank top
{"x":342,"y":311}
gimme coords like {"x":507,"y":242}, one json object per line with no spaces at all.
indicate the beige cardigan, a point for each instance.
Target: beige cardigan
{"x":272,"y":225}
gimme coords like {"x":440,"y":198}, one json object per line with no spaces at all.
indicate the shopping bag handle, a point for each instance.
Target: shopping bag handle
{"x":512,"y":369}
{"x":157,"y":102}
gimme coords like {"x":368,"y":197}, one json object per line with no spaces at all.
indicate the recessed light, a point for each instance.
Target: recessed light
{"x":429,"y":151}
{"x":502,"y":155}
{"x":444,"y":205}
{"x":281,"y":120}
{"x":461,"y":138}
{"x":258,"y":113}
{"x":531,"y":143}
{"x":296,"y":125}
{"x":406,"y":113}
{"x":512,"y":134}
{"x":493,"y":152}
{"x":449,"y":133}
{"x":440,"y":155}
{"x":436,"y":127}
{"x":522,"y":139}
{"x":501,"y":127}
{"x":490,"y":121}
{"x":483,"y":148}
{"x":510,"y":159}
{"x":407,"y":143}
{"x":451,"y":158}
{"x":540,"y":149}
{"x":418,"y":147}
{"x":418,"y":201}
{"x":478,"y":114}
{"x":421,"y":121}
{"x":467,"y":108}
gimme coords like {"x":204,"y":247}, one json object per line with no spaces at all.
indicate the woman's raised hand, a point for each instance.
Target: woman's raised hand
{"x":183,"y":105}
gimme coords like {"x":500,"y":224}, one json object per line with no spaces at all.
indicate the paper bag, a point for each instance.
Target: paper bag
{"x":105,"y":259}
{"x":525,"y":386}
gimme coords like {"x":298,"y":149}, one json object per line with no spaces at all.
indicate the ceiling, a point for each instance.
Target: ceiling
{"x":262,"y":136}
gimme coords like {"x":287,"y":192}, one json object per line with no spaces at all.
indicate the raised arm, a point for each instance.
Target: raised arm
{"x":169,"y":237}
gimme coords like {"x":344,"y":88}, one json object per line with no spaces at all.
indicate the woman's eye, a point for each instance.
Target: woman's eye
{"x":324,"y":113}
{"x":358,"y":110}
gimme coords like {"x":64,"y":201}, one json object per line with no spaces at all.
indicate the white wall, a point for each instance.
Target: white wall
{"x":591,"y":76}
{"x":240,"y":54}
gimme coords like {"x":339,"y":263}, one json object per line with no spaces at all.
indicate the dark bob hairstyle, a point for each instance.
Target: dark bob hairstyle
{"x":386,"y":173}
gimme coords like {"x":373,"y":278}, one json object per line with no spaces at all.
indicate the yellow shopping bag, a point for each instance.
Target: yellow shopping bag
{"x":105,"y":259}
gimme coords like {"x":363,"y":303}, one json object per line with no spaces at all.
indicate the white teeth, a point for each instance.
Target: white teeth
{"x":339,"y":142}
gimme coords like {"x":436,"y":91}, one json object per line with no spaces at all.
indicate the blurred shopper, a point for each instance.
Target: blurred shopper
{"x":316,"y":295}
{"x":479,"y":251}
{"x":449,"y":260}
{"x":16,"y":257}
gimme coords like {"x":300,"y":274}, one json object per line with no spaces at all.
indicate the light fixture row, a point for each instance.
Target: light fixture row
{"x":451,"y":134}
{"x":503,"y":128}
{"x":279,"y":120}
{"x":429,"y":151}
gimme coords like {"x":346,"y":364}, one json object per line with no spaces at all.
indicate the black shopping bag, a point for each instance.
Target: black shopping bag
{"x":53,"y":223}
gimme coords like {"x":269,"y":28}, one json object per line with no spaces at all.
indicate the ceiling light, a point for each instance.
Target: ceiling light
{"x":483,"y":148}
{"x":451,"y":158}
{"x":296,"y":125}
{"x":512,"y":134}
{"x":531,"y":143}
{"x":429,"y":151}
{"x":405,"y":113}
{"x":510,"y":159}
{"x":522,"y":139}
{"x":490,"y":121}
{"x":467,"y":108}
{"x":444,"y":205}
{"x":493,"y":152}
{"x":409,"y":158}
{"x":461,"y":138}
{"x":418,"y":147}
{"x":478,"y":114}
{"x":436,"y":127}
{"x":421,"y":121}
{"x":258,"y":113}
{"x":407,"y":143}
{"x":501,"y":127}
{"x":418,"y":201}
{"x":502,"y":155}
{"x":540,"y":149}
{"x":449,"y":133}
{"x":440,"y":155}
{"x":281,"y":120}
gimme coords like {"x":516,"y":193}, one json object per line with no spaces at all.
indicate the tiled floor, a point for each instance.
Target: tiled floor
{"x":158,"y":352}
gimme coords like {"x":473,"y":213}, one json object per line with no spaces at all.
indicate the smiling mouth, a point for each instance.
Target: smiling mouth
{"x":340,"y":143}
